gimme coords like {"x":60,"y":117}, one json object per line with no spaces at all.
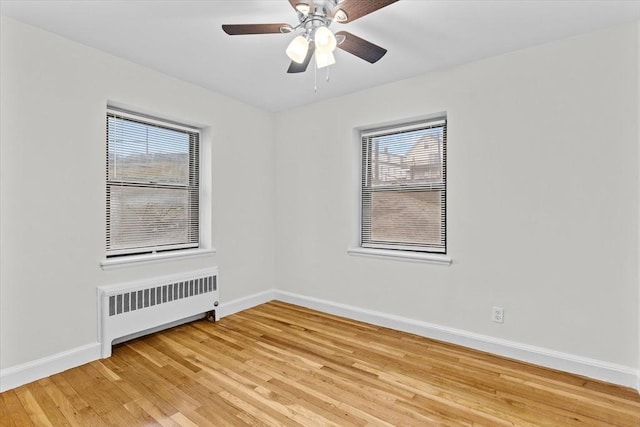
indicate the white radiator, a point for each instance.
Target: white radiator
{"x":135,"y":307}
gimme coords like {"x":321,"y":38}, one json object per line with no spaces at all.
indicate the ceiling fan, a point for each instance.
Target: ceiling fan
{"x":316,"y":40}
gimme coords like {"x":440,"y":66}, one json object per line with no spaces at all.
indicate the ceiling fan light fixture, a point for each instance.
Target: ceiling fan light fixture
{"x":324,"y":59}
{"x":317,"y":40}
{"x":297,"y":49}
{"x":325,"y":40}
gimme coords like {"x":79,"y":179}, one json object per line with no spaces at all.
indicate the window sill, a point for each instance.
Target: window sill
{"x":135,"y":260}
{"x":401,"y":255}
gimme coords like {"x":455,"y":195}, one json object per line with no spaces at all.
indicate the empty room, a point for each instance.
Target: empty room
{"x":320,"y":213}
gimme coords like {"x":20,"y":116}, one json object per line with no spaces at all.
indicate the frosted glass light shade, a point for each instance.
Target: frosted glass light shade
{"x":325,"y":40}
{"x":297,"y":49}
{"x":324,"y":59}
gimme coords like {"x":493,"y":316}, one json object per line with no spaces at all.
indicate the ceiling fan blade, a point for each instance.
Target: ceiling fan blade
{"x":294,"y":67}
{"x":308,"y":3}
{"x":360,"y":47}
{"x":350,"y":10}
{"x":242,"y":29}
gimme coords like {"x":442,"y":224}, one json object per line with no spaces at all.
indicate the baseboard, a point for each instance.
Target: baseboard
{"x":31,"y":371}
{"x":224,"y":309}
{"x":596,"y":369}
{"x":245,"y":303}
{"x":604,"y":371}
{"x":25,"y":373}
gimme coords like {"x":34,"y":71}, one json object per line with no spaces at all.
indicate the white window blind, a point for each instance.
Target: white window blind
{"x":152,"y":185}
{"x":404,"y":187}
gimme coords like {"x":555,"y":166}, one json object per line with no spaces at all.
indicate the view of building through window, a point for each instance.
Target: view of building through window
{"x":403,"y":192}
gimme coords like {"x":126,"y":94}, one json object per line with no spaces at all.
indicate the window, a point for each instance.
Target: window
{"x":404,"y":187}
{"x":152,"y":185}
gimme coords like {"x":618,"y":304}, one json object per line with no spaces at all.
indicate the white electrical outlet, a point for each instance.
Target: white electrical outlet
{"x":497,"y":314}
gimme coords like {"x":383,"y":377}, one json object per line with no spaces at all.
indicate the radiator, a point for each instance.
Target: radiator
{"x":135,"y":307}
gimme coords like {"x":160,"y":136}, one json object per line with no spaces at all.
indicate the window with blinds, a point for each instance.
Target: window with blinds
{"x":404,"y":187}
{"x":152,"y":185}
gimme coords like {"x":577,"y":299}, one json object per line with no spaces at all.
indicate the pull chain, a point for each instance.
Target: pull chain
{"x":315,"y":79}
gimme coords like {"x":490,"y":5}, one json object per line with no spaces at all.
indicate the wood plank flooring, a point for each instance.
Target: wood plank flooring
{"x":282,"y":365}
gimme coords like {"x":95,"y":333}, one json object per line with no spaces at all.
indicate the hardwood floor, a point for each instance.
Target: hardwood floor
{"x":279,"y":364}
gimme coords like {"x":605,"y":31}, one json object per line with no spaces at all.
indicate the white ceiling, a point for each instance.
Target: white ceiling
{"x":184,"y":39}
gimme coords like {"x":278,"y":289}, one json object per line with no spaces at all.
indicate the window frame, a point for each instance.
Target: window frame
{"x":161,"y":251}
{"x":410,"y":252}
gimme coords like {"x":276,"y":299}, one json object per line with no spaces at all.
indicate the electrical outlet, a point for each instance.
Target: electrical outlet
{"x":497,"y":314}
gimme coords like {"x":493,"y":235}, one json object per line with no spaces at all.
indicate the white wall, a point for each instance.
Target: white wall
{"x":544,"y":194}
{"x":54,"y":93}
{"x":542,"y":198}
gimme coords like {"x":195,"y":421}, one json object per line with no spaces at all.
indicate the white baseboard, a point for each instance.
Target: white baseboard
{"x":592,"y":368}
{"x":247,"y":302}
{"x":613,"y":373}
{"x":18,"y":375}
{"x":31,"y":371}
